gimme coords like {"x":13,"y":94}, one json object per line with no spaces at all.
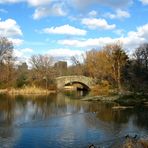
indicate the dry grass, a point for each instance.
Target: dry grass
{"x":132,"y":143}
{"x":101,"y":89}
{"x":3,"y":91}
{"x":29,"y":90}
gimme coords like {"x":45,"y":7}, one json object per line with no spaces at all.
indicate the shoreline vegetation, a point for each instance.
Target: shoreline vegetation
{"x":124,"y":100}
{"x":32,"y":90}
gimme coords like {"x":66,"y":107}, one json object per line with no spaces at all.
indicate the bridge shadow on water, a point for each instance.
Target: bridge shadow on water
{"x":76,"y":94}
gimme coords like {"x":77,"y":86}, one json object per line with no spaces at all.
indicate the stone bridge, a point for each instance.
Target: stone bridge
{"x":86,"y":82}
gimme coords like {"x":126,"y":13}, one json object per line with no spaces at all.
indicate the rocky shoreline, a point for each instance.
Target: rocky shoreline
{"x":101,"y":98}
{"x":124,"y":98}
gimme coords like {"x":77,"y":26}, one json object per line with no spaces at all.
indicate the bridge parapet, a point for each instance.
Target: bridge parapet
{"x":63,"y":80}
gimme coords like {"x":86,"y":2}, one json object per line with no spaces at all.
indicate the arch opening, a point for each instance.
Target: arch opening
{"x":77,"y":86}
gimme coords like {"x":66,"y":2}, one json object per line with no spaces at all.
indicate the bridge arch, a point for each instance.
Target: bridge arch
{"x":86,"y":82}
{"x":79,"y":85}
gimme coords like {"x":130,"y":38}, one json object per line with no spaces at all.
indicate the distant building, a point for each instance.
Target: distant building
{"x":61,"y":67}
{"x":23,"y":67}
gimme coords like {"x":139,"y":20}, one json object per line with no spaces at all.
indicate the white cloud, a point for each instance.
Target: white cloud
{"x":65,"y":30}
{"x":55,"y":10}
{"x":135,"y":38}
{"x":44,"y":8}
{"x":143,"y":31}
{"x":17,"y":53}
{"x":36,"y":3}
{"x":93,"y":13}
{"x":76,"y":3}
{"x":144,"y":2}
{"x":16,"y":42}
{"x":94,"y":23}
{"x":10,"y":1}
{"x":40,"y":13}
{"x":22,"y":55}
{"x":10,"y":28}
{"x":63,"y":52}
{"x":119,"y":32}
{"x":120,"y":14}
{"x":27,"y":50}
{"x":130,"y":42}
{"x":111,"y":3}
{"x":89,"y":43}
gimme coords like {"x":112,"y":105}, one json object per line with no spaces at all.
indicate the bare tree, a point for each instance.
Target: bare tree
{"x":141,"y":55}
{"x":6,"y":50}
{"x":77,"y":65}
{"x":138,"y":69}
{"x":6,"y":62}
{"x":42,"y":66}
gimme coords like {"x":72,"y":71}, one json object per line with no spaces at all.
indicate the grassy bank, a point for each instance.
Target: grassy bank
{"x":101,"y":98}
{"x":27,"y":91}
{"x":122,"y":99}
{"x":132,"y":99}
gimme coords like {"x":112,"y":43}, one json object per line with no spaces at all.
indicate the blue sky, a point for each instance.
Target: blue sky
{"x":64,"y":28}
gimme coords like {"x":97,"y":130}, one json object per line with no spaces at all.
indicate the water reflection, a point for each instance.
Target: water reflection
{"x":60,"y":120}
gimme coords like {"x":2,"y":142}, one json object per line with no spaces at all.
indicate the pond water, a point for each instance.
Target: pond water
{"x":64,"y":120}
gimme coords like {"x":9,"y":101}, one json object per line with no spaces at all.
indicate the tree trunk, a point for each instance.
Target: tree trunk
{"x":119,"y":77}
